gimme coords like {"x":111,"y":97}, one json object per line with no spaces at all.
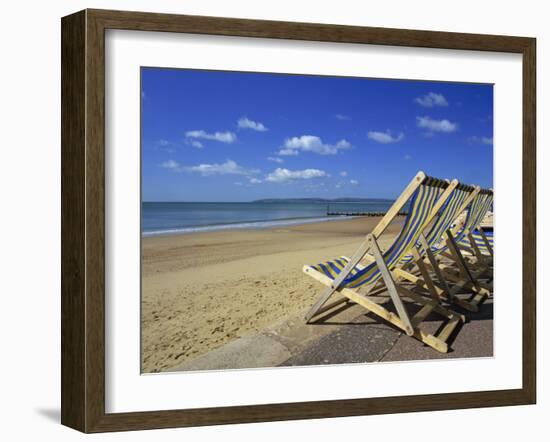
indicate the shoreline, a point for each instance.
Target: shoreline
{"x":248,"y":225}
{"x":203,"y":290}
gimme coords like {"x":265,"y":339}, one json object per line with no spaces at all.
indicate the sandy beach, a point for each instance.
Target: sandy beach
{"x":202,"y":290}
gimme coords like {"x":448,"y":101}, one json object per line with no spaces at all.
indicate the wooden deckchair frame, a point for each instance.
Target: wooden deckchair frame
{"x":471,"y":272}
{"x":474,"y":249}
{"x":479,"y":262}
{"x":402,"y":320}
{"x":440,"y":290}
{"x":488,"y":245}
{"x":468,"y":276}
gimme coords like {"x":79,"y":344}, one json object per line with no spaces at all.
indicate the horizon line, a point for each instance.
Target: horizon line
{"x":290,"y":198}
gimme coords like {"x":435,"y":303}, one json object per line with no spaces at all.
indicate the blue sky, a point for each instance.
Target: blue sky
{"x":235,"y":136}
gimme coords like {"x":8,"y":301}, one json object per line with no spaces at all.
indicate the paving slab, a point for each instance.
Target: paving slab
{"x":353,"y":343}
{"x":366,"y":340}
{"x":247,"y":352}
{"x":473,"y":339}
{"x":346,"y":335}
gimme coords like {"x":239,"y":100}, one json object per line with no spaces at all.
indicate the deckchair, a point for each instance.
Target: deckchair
{"x":429,"y":246}
{"x":467,"y":276}
{"x":347,"y":276}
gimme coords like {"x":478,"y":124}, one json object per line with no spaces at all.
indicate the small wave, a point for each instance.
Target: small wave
{"x":245,"y":225}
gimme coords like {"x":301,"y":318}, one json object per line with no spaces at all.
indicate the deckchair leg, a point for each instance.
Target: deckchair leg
{"x":331,"y":305}
{"x":392,"y":289}
{"x":458,"y":258}
{"x":436,"y":268}
{"x":416,"y":280}
{"x":452,"y":298}
{"x":479,"y":294}
{"x":486,"y":241}
{"x":467,"y":278}
{"x":320,"y":307}
{"x":329,"y":291}
{"x":425,"y":275}
{"x":475,"y":248}
{"x":478,"y":272}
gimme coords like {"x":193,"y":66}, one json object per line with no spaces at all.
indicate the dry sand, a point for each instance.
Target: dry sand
{"x":203,"y":290}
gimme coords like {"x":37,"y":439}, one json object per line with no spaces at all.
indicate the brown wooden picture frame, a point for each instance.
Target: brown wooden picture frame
{"x":83,"y":220}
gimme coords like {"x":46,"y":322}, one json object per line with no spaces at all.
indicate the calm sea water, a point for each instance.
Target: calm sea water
{"x":168,"y":218}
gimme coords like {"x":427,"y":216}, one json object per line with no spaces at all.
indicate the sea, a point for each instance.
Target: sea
{"x":166,"y":218}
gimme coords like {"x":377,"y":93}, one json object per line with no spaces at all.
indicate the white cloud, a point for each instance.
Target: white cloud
{"x":254,"y":181}
{"x":354,"y":182}
{"x":407,"y":156}
{"x":311,"y":143}
{"x":288,"y":152}
{"x":165,"y":145}
{"x":342,"y":117}
{"x":276,"y":160}
{"x":343,"y":173}
{"x":222,"y":137}
{"x":230,"y":167}
{"x":245,"y":123}
{"x":432,"y":99}
{"x":385,"y":137}
{"x":342,"y":144}
{"x":171,"y":164}
{"x":280,"y":175}
{"x":481,"y":140}
{"x":196,"y":144}
{"x":436,"y":125}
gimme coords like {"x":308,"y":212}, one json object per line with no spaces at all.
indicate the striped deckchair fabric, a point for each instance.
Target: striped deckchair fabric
{"x":474,"y":216}
{"x":472,"y":225}
{"x":426,"y":197}
{"x":421,"y":206}
{"x":479,"y":240}
{"x":459,"y":241}
{"x":436,"y":241}
{"x":450,"y":211}
{"x":476,"y":213}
